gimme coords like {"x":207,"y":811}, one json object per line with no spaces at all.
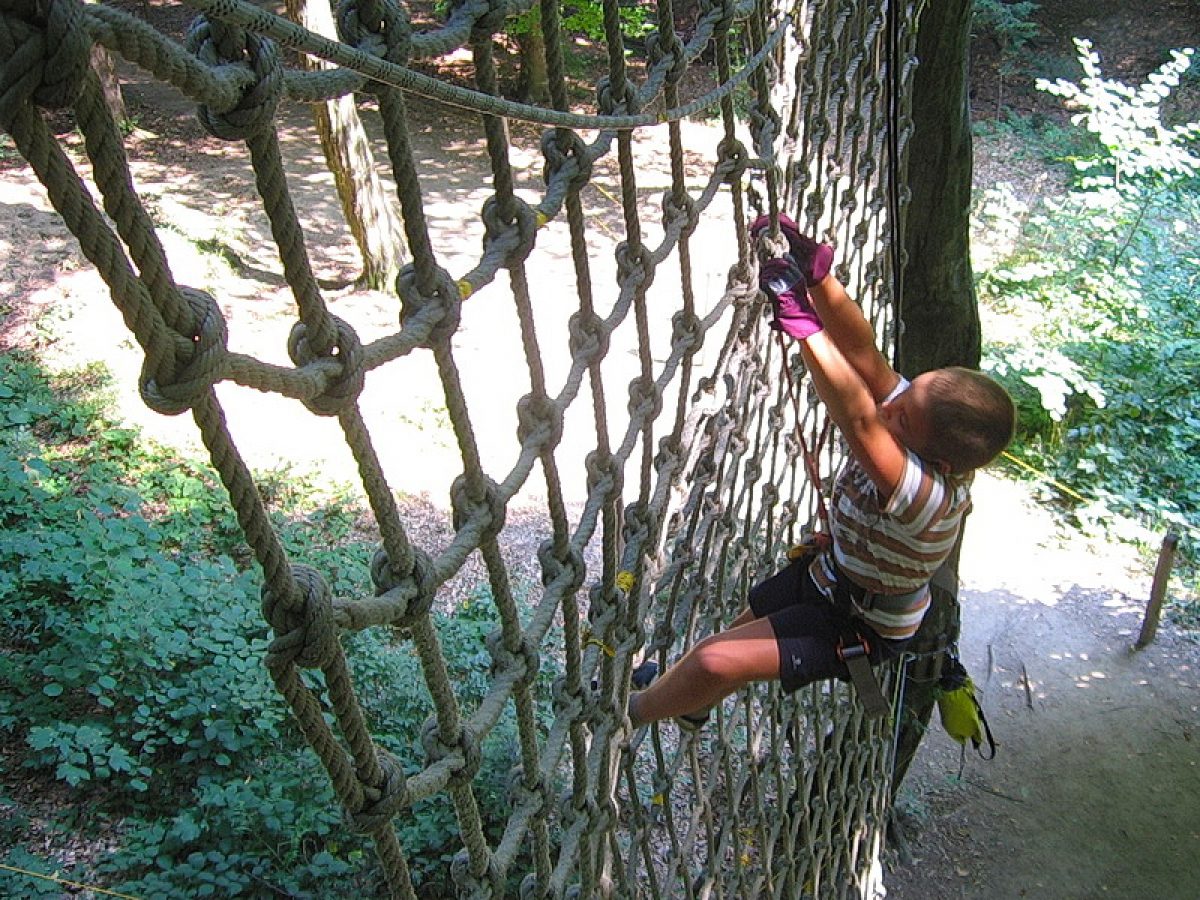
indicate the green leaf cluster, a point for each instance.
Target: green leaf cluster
{"x":133,"y":664}
{"x":1093,"y":305}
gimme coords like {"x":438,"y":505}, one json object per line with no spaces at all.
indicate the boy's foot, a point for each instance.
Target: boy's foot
{"x":815,"y":260}
{"x":693,"y":722}
{"x":646,"y":672}
{"x":643,"y":674}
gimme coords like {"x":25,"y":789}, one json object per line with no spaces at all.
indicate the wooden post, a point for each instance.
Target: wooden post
{"x":1158,"y":590}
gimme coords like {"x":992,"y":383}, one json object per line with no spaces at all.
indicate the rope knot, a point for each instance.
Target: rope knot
{"x":304,"y":631}
{"x":687,"y":331}
{"x":218,"y":44}
{"x":539,"y":422}
{"x":437,"y":313}
{"x":512,"y":238}
{"x":669,"y":455}
{"x":742,"y":284}
{"x":753,"y":471}
{"x":485,"y":514}
{"x":770,"y":493}
{"x":764,"y":127}
{"x":490,"y":22}
{"x":637,"y":524}
{"x":412,"y":580}
{"x":588,"y":338}
{"x":614,"y":100}
{"x":196,"y":375}
{"x":347,"y":352}
{"x":532,"y":790}
{"x":523,"y":661}
{"x":562,"y":149}
{"x":636,"y":267}
{"x":377,"y":27}
{"x":603,"y":471}
{"x":571,"y":570}
{"x":568,"y":703}
{"x":680,"y":212}
{"x":46,"y":55}
{"x":645,"y":399}
{"x":660,"y":45}
{"x":732,"y":159}
{"x":771,"y":243}
{"x":466,"y":745}
{"x":385,"y":800}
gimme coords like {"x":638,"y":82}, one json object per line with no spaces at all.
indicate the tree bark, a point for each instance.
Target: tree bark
{"x":939,"y":313}
{"x":534,"y":83}
{"x":368,"y":211}
{"x":106,"y":70}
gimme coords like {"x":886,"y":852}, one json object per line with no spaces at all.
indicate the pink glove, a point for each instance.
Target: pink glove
{"x":793,"y":312}
{"x":814,"y":260}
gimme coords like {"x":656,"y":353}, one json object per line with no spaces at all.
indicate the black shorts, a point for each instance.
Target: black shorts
{"x":809,"y":628}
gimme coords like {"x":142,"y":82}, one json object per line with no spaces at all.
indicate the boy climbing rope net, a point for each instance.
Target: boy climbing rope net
{"x":857,"y":594}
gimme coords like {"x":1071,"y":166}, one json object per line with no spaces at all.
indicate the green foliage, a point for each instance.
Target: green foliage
{"x":1133,"y":143}
{"x":134,"y":671}
{"x":586,"y":17}
{"x":1009,"y":25}
{"x":1095,"y":325}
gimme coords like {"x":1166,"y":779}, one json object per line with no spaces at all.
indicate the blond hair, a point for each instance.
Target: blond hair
{"x":972,"y":418}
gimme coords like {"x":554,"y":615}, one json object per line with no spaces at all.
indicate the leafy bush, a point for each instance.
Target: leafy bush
{"x":134,"y":663}
{"x":1093,"y":309}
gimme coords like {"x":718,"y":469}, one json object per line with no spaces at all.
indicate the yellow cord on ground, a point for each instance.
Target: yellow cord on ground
{"x":1036,"y":471}
{"x":74,"y":884}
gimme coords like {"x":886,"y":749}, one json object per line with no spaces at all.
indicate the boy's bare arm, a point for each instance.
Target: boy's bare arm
{"x":853,"y":408}
{"x":849,"y":329}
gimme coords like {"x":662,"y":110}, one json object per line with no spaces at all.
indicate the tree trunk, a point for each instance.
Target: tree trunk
{"x":368,"y":210}
{"x":939,"y":312}
{"x":102,"y":63}
{"x":534,"y":82}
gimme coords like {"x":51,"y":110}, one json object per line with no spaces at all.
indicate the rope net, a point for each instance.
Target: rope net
{"x":694,"y":486}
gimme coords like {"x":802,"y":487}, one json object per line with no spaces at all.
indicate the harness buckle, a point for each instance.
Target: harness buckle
{"x":853,"y":651}
{"x":857,"y":657}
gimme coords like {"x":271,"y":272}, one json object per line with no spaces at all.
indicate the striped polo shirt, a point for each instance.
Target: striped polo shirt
{"x":893,"y":547}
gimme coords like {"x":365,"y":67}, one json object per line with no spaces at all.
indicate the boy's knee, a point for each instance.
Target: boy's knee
{"x":717,"y":660}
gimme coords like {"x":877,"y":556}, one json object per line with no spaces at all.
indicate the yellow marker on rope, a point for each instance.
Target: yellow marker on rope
{"x":465,"y":289}
{"x":604,"y":648}
{"x":625,"y":581}
{"x":540,"y":219}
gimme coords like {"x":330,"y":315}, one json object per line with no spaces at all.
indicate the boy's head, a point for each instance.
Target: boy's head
{"x":963,"y":418}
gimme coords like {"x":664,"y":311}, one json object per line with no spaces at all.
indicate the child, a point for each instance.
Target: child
{"x":895,"y":510}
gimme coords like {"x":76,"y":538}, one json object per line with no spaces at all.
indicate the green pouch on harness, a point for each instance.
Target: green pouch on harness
{"x":959,"y":708}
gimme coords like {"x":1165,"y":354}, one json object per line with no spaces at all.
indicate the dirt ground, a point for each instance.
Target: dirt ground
{"x":1095,"y":790}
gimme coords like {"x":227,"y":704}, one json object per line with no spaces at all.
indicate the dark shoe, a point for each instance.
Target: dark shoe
{"x":643,"y":674}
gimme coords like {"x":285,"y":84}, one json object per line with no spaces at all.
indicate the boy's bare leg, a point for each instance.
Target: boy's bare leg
{"x":712,"y":670}
{"x":746,"y":615}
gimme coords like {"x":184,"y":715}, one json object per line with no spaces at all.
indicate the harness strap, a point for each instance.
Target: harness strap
{"x":856,"y":656}
{"x":858,"y":599}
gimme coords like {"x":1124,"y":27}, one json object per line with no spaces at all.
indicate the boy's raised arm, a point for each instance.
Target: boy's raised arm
{"x":853,"y":409}
{"x":849,"y":329}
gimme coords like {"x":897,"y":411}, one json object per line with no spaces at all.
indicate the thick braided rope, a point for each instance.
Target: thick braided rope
{"x":790,"y":790}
